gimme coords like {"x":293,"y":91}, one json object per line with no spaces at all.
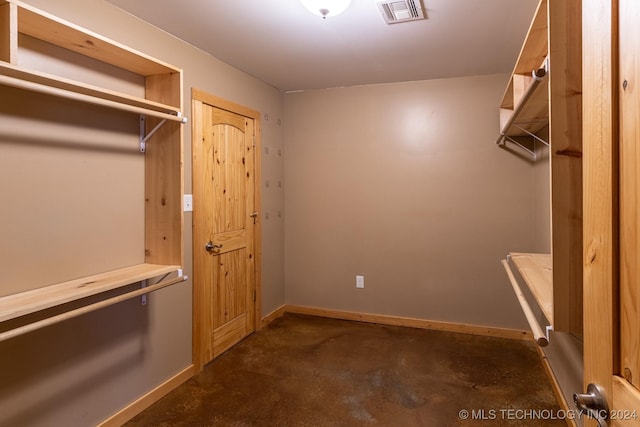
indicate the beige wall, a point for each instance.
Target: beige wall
{"x":403,"y":183}
{"x":77,"y":182}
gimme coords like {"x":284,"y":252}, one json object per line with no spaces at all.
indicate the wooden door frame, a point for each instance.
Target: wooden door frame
{"x":600,"y":187}
{"x":601,"y":181}
{"x":200,"y":335}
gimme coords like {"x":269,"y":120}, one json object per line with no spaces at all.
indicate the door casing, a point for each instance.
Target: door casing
{"x":200,"y":334}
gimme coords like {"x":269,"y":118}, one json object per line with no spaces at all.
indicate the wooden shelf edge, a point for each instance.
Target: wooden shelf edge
{"x":83,"y":89}
{"x":23,"y":303}
{"x":536,"y":270}
{"x":536,"y":43}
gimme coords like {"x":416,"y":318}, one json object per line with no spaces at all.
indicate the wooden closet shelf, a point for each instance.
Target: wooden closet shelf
{"x":12,"y":75}
{"x":536,"y":44}
{"x":534,"y":50}
{"x":531,"y":113}
{"x":23,"y":303}
{"x":536,"y":270}
{"x":524,"y":109}
{"x":51,"y":29}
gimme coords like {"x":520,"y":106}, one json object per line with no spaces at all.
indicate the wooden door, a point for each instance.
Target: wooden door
{"x":225,"y":219}
{"x":611,"y":57}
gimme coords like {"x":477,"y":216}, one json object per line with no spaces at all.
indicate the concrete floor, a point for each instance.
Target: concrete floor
{"x":312,"y":371}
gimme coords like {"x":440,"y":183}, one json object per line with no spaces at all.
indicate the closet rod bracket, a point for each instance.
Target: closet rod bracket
{"x":144,"y":284}
{"x":143,"y":297}
{"x":548,"y":328}
{"x":144,"y":138}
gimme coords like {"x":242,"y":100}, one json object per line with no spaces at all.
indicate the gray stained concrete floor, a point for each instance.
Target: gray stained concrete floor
{"x":312,"y":371}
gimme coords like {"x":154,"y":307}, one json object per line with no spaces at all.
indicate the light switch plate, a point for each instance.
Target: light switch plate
{"x":360,"y":282}
{"x":188,"y":202}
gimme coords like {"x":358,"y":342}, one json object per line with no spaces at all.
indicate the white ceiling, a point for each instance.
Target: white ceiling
{"x":281,"y":43}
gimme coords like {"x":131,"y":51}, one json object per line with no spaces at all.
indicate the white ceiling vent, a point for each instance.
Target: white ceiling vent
{"x":395,"y":11}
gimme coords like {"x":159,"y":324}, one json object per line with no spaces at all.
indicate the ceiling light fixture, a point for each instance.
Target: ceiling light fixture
{"x":326,"y":8}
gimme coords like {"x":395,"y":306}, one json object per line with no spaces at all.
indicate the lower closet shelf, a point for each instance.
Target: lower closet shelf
{"x":24,"y":303}
{"x":537,"y":273}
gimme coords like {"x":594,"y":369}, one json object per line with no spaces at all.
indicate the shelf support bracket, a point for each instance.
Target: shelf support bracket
{"x":501,"y":142}
{"x":143,"y":284}
{"x":143,"y":138}
{"x":533,"y":135}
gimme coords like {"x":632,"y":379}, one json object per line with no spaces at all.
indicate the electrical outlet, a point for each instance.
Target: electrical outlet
{"x":188,"y":203}
{"x":360,"y":282}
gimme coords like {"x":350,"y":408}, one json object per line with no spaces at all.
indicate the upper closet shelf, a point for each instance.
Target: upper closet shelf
{"x":18,"y":18}
{"x":531,"y":113}
{"x":524,"y":109}
{"x":11,"y":75}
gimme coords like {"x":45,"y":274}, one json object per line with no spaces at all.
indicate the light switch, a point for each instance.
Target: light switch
{"x":188,"y":202}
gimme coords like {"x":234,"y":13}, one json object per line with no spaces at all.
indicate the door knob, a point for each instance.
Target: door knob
{"x":593,"y":403}
{"x":254,"y":215}
{"x":210,"y":247}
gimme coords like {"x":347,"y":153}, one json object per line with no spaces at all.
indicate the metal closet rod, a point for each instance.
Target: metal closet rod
{"x":76,"y":96}
{"x":541,"y":338}
{"x":538,"y":75}
{"x":86,"y":309}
